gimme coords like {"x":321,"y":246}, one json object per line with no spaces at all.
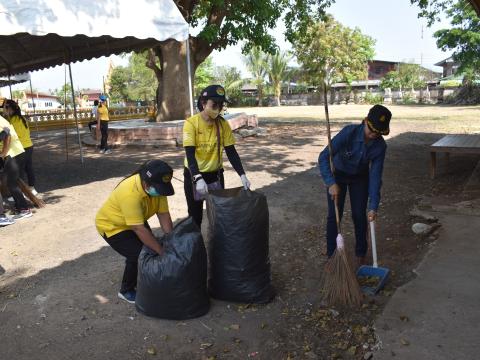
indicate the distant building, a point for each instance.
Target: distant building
{"x":377,"y":69}
{"x":42,"y":101}
{"x":449,"y":66}
{"x":88,"y":96}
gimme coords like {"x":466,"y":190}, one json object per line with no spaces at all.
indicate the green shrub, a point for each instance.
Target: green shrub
{"x":373,"y":99}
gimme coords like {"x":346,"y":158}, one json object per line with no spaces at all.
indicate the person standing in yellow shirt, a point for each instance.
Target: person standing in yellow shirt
{"x":25,"y":160}
{"x":102,"y":124}
{"x":123,"y":219}
{"x":205,"y":135}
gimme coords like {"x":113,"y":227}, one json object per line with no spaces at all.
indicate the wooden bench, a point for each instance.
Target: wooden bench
{"x":455,"y":144}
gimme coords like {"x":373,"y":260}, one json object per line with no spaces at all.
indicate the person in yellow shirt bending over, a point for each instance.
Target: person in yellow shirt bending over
{"x":205,"y":135}
{"x":123,"y":219}
{"x":102,"y":124}
{"x":10,"y":149}
{"x":25,"y":160}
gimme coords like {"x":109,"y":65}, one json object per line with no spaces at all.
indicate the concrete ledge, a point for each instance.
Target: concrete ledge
{"x":138,"y":132}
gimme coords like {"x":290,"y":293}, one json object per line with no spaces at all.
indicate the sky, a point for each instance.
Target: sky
{"x":393,"y":23}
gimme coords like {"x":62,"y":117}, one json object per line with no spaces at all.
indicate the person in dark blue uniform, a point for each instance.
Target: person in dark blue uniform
{"x":358,"y":156}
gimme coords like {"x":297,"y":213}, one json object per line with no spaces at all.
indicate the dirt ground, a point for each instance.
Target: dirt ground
{"x":59,"y":279}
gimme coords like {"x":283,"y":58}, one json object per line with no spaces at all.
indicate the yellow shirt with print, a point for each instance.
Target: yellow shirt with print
{"x":22,"y":131}
{"x":128,"y":205}
{"x":103,"y":113}
{"x":197,"y":132}
{"x":16,"y":147}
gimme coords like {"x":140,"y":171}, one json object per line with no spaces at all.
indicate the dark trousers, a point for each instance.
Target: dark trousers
{"x":195,"y":208}
{"x":127,"y":244}
{"x":358,"y":190}
{"x":12,"y":173}
{"x":104,"y":131}
{"x":25,"y":165}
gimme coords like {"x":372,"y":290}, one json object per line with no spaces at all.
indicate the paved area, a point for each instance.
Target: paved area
{"x":437,"y":315}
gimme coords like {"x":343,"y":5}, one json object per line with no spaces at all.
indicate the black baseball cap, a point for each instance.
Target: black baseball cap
{"x":378,"y":119}
{"x":158,"y":173}
{"x":213,"y":92}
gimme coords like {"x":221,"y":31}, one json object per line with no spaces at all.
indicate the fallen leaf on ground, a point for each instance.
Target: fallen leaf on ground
{"x":152,"y":351}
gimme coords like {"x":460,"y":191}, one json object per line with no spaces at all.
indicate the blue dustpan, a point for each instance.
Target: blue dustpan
{"x":373,"y":271}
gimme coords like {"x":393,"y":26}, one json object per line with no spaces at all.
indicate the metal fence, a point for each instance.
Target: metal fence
{"x":60,"y":118}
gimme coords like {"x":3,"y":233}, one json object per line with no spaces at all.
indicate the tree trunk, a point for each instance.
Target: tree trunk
{"x":173,"y":99}
{"x":278,"y":93}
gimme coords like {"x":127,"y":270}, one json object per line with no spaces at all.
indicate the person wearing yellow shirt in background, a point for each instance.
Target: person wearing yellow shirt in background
{"x":122,"y":220}
{"x":10,"y":149}
{"x":205,"y":135}
{"x":102,"y":124}
{"x":25,"y":160}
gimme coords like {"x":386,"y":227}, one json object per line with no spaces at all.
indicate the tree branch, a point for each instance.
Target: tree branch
{"x":151,"y":61}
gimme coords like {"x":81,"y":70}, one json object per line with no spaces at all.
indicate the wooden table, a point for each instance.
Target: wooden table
{"x":459,"y":144}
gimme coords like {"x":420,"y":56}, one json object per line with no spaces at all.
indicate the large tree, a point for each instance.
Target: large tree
{"x":330,"y":52}
{"x":256,"y":62}
{"x":220,"y":23}
{"x":406,"y":77}
{"x":278,"y":72}
{"x":463,"y":37}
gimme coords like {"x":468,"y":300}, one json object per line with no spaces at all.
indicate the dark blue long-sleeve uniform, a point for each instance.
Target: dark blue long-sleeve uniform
{"x":358,"y":168}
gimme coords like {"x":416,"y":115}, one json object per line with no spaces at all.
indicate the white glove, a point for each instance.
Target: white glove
{"x":245,"y":182}
{"x":201,"y":187}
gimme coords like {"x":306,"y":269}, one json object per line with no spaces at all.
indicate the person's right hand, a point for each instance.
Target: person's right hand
{"x":201,"y":187}
{"x":334,"y":191}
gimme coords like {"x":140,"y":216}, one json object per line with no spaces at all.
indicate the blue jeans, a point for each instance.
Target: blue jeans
{"x":358,"y":189}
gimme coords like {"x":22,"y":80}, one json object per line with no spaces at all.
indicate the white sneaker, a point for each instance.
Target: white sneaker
{"x":11,"y":199}
{"x":5,"y":220}
{"x":102,"y":151}
{"x":33,"y":191}
{"x":108,"y":151}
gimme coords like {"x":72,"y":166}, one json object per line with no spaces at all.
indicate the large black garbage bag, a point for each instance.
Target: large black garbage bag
{"x":238,"y":246}
{"x":174,"y":285}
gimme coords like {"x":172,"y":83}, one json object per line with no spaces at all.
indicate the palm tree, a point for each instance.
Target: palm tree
{"x":278,"y":72}
{"x":256,"y":64}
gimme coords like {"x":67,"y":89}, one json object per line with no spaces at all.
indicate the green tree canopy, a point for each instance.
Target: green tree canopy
{"x":408,"y":76}
{"x":463,"y":37}
{"x":221,"y":23}
{"x":330,"y":52}
{"x":203,"y":76}
{"x":231,"y":79}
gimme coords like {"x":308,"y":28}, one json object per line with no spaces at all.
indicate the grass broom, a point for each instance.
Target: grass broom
{"x":26,"y":190}
{"x":340,"y":285}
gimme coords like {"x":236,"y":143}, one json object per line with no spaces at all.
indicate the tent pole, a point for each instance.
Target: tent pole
{"x":65,"y":108}
{"x":10,"y":86}
{"x":33,"y":102}
{"x":189,"y":70}
{"x":75,"y":112}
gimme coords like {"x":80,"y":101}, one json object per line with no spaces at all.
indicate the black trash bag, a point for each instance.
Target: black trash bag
{"x":238,"y":246}
{"x":174,"y":285}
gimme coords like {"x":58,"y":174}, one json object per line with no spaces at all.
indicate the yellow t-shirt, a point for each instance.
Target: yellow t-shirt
{"x":16,"y":147}
{"x":103,"y":113}
{"x":127,"y":205}
{"x":196,"y":132}
{"x":22,"y":131}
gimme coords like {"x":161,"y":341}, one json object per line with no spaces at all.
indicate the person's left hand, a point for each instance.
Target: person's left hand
{"x":245,"y":182}
{"x":372,"y":215}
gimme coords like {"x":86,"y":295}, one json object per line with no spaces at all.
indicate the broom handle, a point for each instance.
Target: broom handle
{"x":374,"y":243}
{"x":330,"y":159}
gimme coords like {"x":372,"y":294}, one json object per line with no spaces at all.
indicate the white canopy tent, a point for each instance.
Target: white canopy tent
{"x":37,"y":34}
